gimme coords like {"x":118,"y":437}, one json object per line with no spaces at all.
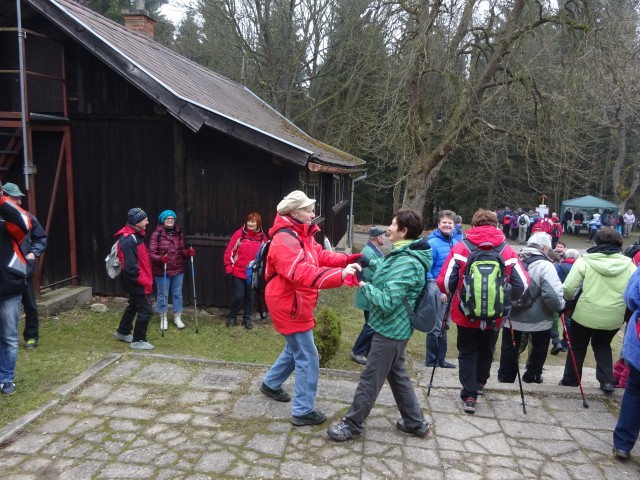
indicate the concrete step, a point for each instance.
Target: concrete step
{"x":55,"y":301}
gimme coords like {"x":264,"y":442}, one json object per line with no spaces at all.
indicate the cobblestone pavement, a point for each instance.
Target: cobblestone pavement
{"x":158,"y":417}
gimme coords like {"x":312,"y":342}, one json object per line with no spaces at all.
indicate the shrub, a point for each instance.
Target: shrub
{"x":327,"y":335}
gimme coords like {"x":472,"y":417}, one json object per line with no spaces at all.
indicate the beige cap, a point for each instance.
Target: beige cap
{"x":293,"y":201}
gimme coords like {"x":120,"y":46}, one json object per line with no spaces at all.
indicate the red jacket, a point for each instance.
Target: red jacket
{"x":172,"y":243}
{"x":298,"y":273}
{"x":543,"y":225}
{"x":14,"y":227}
{"x":241,"y":251}
{"x":452,"y":274}
{"x":134,"y":258}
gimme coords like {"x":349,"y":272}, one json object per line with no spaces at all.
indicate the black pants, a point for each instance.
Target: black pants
{"x":509,"y":357}
{"x":32,"y":320}
{"x":600,"y":344}
{"x":140,"y":305}
{"x":241,"y":293}
{"x":475,"y":354}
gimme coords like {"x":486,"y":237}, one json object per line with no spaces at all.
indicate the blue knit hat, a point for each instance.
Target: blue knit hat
{"x":135,"y":216}
{"x":167,"y":213}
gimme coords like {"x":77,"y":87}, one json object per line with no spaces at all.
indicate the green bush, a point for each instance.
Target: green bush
{"x":327,"y":334}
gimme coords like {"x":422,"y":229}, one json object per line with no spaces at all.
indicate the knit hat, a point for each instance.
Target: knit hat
{"x":376,"y":232}
{"x":294,"y":201}
{"x":12,"y":190}
{"x":167,"y":213}
{"x":135,"y":216}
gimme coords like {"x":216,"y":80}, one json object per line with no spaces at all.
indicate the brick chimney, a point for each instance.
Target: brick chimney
{"x":139,"y":20}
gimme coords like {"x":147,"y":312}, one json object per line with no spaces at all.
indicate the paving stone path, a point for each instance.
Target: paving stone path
{"x":158,"y":417}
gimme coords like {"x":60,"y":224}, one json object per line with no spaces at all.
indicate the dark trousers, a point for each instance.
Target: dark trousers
{"x":475,"y":354}
{"x":580,"y":337}
{"x":363,"y":342}
{"x":506,"y":229}
{"x":32,"y":320}
{"x":509,"y":357}
{"x":140,"y":305}
{"x":261,"y":303}
{"x":242,"y":293}
{"x":385,"y":361}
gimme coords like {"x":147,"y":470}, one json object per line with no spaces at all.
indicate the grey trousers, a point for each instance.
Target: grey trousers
{"x":385,"y":361}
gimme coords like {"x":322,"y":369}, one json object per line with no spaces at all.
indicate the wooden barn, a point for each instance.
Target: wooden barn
{"x":96,"y":118}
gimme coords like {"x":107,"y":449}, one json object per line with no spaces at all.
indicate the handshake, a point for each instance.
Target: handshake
{"x":360,"y":260}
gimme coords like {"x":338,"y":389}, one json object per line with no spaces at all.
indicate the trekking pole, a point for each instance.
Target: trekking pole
{"x":573,"y":357}
{"x":166,"y":299}
{"x":440,"y":337}
{"x":513,"y":343}
{"x":193,"y":280}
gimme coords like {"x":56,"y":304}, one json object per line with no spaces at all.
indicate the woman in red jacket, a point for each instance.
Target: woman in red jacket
{"x":297,"y":267}
{"x":242,"y":248}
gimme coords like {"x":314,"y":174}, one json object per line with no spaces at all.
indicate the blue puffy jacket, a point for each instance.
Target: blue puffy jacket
{"x":440,"y":248}
{"x":631,"y":345}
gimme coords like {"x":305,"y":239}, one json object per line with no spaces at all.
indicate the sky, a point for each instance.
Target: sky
{"x":174,"y":10}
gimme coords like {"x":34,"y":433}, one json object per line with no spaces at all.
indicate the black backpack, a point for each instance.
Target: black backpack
{"x":522,"y":220}
{"x":526,"y":300}
{"x":256,"y":278}
{"x":632,"y":250}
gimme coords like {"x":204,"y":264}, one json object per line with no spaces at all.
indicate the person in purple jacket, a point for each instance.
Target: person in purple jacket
{"x":166,"y":248}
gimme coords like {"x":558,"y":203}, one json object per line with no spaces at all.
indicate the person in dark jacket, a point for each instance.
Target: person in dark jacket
{"x":33,"y":245}
{"x":476,"y":339}
{"x":241,"y":250}
{"x":166,"y":247}
{"x":14,"y":227}
{"x":137,"y":280}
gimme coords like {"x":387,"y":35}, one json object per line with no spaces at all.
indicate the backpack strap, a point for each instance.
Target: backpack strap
{"x":405,"y":302}
{"x":293,"y":234}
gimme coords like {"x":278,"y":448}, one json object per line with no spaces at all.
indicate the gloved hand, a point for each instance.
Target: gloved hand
{"x":191,"y":251}
{"x":363,"y":261}
{"x":165,"y":258}
{"x":360,"y":276}
{"x":354,"y":258}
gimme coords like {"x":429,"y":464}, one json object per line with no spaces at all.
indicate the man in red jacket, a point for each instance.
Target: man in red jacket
{"x":137,"y":280}
{"x":476,"y":340}
{"x":297,"y":267}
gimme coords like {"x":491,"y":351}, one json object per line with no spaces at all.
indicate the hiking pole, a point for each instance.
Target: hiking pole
{"x":193,"y":280}
{"x":440,"y":337}
{"x":513,"y":343}
{"x":166,"y":299}
{"x":573,"y":357}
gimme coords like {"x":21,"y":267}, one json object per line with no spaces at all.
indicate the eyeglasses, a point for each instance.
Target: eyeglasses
{"x":169,"y":219}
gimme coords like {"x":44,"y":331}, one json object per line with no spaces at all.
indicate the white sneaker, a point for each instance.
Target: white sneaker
{"x":141,"y":345}
{"x":163,"y":322}
{"x":178,"y":321}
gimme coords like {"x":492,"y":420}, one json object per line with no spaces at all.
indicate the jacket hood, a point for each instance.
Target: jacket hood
{"x":528,"y":252}
{"x":128,"y":230}
{"x":607,"y":265}
{"x":484,"y":234}
{"x":285,"y":221}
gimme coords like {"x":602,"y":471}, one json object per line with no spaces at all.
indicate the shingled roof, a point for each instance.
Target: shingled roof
{"x":193,"y":94}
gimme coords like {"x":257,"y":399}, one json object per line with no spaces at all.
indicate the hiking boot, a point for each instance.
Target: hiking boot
{"x":557,"y":348}
{"x":342,"y":432}
{"x":481,"y":389}
{"x":8,"y":388}
{"x":123,"y":338}
{"x":163,"y":322}
{"x":528,"y":378}
{"x":279,"y":395}
{"x":178,"y":322}
{"x":141,"y":345}
{"x":607,"y":387}
{"x":445,"y":364}
{"x":621,"y":454}
{"x":421,"y":431}
{"x":314,"y":417}
{"x":361,"y":359}
{"x":470,"y":405}
{"x":231,"y":322}
{"x":31,"y":343}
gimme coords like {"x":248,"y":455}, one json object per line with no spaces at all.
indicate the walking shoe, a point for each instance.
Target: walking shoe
{"x":314,"y":417}
{"x":557,"y":348}
{"x":528,"y":378}
{"x":123,"y":338}
{"x":342,"y":432}
{"x":361,"y":359}
{"x":470,"y":405}
{"x":8,"y":388}
{"x":481,"y":389}
{"x":445,"y":364}
{"x":607,"y":387}
{"x":141,"y":345}
{"x":164,"y":326}
{"x":178,"y":322}
{"x":280,"y":395}
{"x":31,"y":343}
{"x":231,"y":322}
{"x":621,"y":454}
{"x":421,"y":431}
{"x":247,"y":324}
{"x":567,"y":384}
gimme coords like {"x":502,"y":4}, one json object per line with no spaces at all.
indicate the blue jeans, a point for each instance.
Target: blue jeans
{"x":9,"y":311}
{"x":174,"y":285}
{"x":299,"y":354}
{"x":363,"y":342}
{"x":626,"y":432}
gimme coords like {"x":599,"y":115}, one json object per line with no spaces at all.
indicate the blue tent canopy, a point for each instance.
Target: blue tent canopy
{"x":588,"y":202}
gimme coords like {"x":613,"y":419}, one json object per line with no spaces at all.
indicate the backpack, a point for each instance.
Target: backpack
{"x":112,"y":262}
{"x":485,"y":293}
{"x":522,"y":220}
{"x":428,"y":308}
{"x":257,"y":267}
{"x":555,"y":231}
{"x":526,"y":300}
{"x":631,"y":250}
